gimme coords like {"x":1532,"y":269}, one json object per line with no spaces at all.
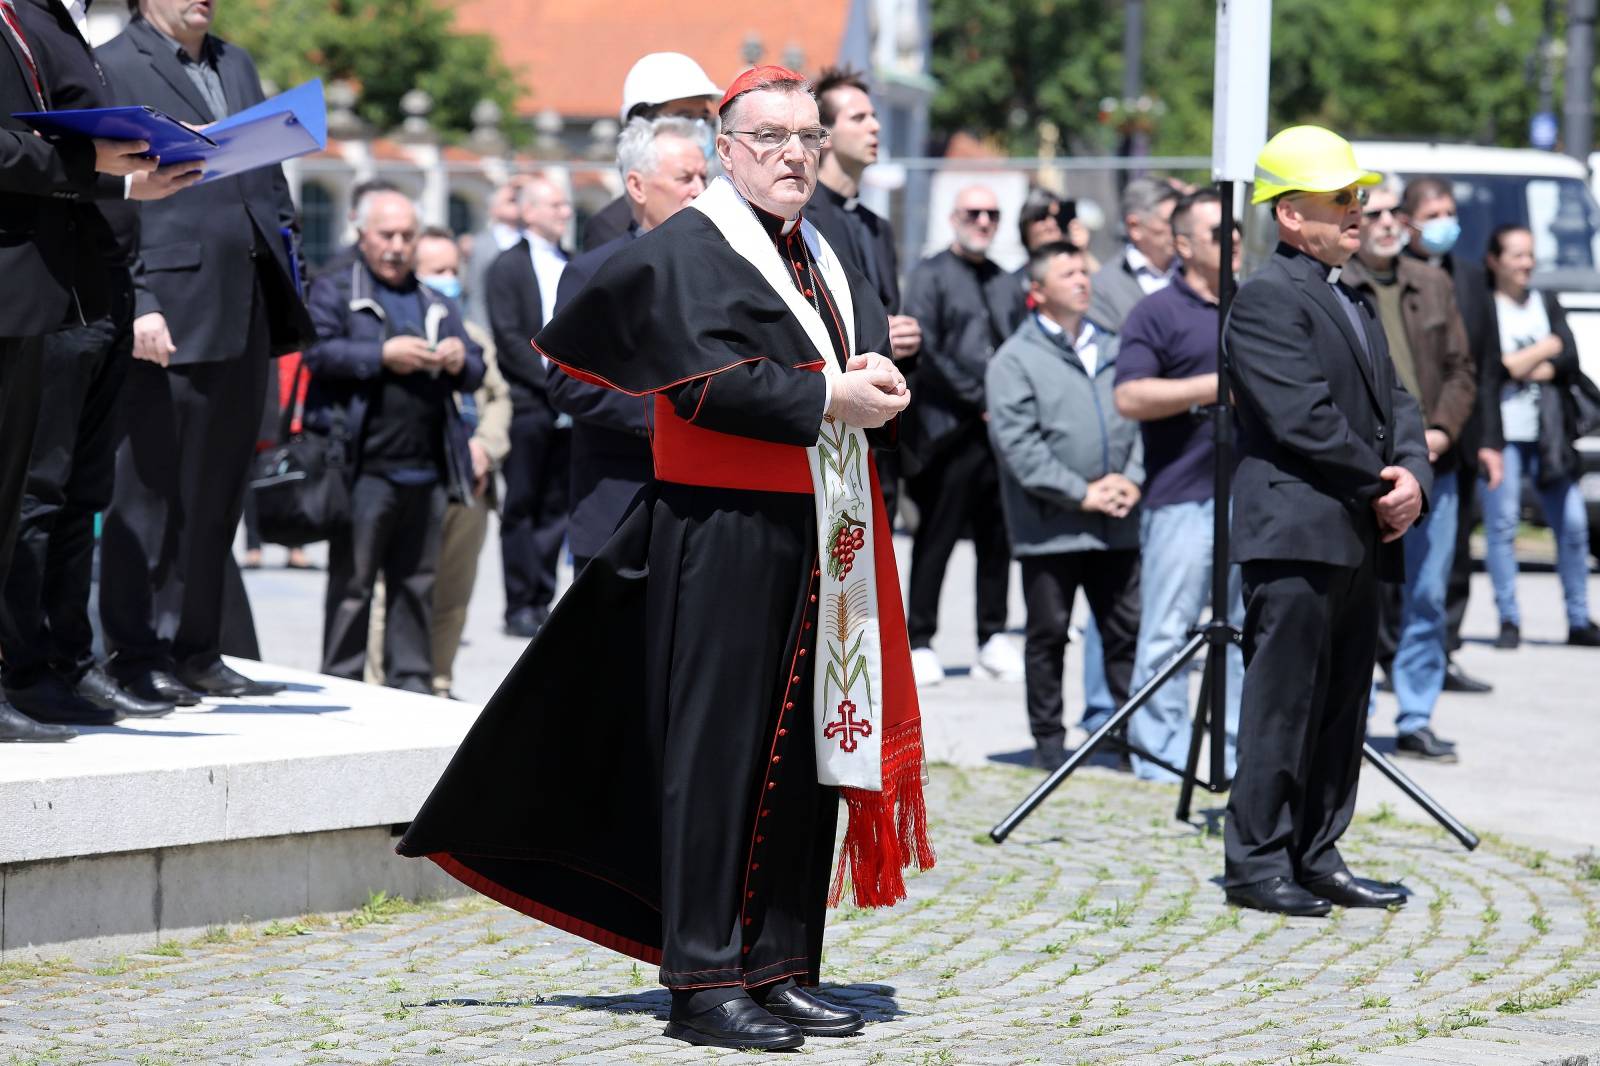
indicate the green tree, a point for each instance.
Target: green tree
{"x":387,"y":47}
{"x":1447,"y":69}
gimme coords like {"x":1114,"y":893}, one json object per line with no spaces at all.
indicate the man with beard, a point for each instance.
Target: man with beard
{"x":967,"y":307}
{"x":661,"y":771}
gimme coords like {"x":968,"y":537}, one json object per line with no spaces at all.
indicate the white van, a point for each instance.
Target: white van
{"x":1546,"y":192}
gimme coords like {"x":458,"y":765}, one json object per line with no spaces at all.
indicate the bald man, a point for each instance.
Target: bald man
{"x":967,"y":305}
{"x":521,"y":297}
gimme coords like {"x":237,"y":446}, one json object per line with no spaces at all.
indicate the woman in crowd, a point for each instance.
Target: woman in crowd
{"x":1540,"y":360}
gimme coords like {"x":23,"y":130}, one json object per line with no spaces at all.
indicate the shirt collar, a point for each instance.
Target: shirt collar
{"x":539,"y":244}
{"x":1086,"y":330}
{"x":78,"y":10}
{"x":207,"y":47}
{"x":1140,"y":264}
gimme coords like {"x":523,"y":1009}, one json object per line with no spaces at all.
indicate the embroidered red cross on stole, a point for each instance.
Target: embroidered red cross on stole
{"x":847,"y":728}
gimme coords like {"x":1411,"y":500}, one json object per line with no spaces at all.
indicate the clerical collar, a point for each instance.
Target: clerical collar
{"x":849,"y":203}
{"x":775,"y":225}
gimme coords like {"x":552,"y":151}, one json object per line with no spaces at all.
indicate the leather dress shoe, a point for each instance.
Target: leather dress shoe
{"x":1279,"y":895}
{"x":18,"y":728}
{"x":812,"y":1016}
{"x":1584,"y":636}
{"x":526,"y":621}
{"x":1510,"y":636}
{"x":52,"y":699}
{"x":100,"y":689}
{"x":1423,"y":744}
{"x":1458,"y":680}
{"x":1348,"y":890}
{"x":158,"y":686}
{"x":738,"y":1023}
{"x":219,"y":679}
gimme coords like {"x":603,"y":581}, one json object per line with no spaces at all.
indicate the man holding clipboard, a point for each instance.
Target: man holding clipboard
{"x":214,"y":301}
{"x":54,"y":276}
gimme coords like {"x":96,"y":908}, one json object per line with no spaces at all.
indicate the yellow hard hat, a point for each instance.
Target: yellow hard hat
{"x":1307,"y":159}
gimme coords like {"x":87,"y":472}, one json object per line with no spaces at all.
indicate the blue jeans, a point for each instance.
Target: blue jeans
{"x":1419,"y":657}
{"x":1097,"y":702}
{"x":1562,"y":505}
{"x":1175,"y":593}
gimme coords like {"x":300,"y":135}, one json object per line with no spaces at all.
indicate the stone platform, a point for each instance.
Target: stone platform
{"x":235,"y":810}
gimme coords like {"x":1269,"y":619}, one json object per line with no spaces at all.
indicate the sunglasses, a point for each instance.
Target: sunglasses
{"x":973,"y":215}
{"x":1342,"y":198}
{"x":1373,"y":213}
{"x":1216,"y":234}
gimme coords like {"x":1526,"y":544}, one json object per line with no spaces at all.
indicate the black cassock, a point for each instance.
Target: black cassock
{"x":645,"y":776}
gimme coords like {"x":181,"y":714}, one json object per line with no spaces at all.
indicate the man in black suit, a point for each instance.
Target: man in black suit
{"x":50,"y":672}
{"x":1333,"y":469}
{"x":213,"y":302}
{"x":861,"y":238}
{"x":662,"y":169}
{"x":521,"y":291}
{"x":54,"y":277}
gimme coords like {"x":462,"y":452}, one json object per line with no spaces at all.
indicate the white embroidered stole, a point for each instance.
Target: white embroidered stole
{"x":847,"y":719}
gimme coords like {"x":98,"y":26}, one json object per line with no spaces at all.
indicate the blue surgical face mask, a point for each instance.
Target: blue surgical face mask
{"x":1439,"y":235}
{"x":443,"y":284}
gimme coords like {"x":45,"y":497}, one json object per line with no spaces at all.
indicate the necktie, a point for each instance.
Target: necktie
{"x":8,"y":12}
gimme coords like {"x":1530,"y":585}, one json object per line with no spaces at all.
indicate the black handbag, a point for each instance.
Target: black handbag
{"x":1583,"y":405}
{"x":300,"y":484}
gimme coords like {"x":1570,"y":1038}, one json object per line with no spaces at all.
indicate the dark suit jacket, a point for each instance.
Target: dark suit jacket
{"x":611,"y":458}
{"x":43,"y":257}
{"x":201,"y":251}
{"x":1317,"y":421}
{"x":516,"y":314}
{"x":1115,"y":290}
{"x":607,"y":224}
{"x":865,"y":244}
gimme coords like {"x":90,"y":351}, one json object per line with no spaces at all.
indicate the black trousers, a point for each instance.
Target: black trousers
{"x":44,"y":613}
{"x":394,"y":530}
{"x":182,"y":466}
{"x":1308,"y":655}
{"x":1459,"y":587}
{"x":533,"y":519}
{"x":957,"y":492}
{"x":747,"y":833}
{"x":1110,"y":582}
{"x":20,"y":369}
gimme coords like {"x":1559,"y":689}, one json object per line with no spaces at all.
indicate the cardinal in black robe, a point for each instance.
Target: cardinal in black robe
{"x":661,"y":771}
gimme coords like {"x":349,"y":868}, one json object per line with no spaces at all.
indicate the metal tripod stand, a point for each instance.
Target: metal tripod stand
{"x":1215,"y":636}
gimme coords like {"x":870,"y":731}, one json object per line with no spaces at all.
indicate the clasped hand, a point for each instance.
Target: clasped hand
{"x":1400,"y":507}
{"x":869,"y":392}
{"x":1112,"y":495}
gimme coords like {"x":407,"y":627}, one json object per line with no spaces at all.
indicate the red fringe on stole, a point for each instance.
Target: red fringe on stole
{"x":888,"y":830}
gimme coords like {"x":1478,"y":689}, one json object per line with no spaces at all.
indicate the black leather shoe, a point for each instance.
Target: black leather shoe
{"x":526,"y":621}
{"x":219,"y":679}
{"x":1422,"y":744}
{"x":1348,"y":890}
{"x":1585,"y":636}
{"x":100,"y":689}
{"x":1510,"y":636}
{"x":1458,"y":680}
{"x":158,"y":686}
{"x":1279,"y":895}
{"x":51,"y":699}
{"x":1049,"y":757}
{"x":738,"y":1023}
{"x":18,"y":728}
{"x":812,"y":1016}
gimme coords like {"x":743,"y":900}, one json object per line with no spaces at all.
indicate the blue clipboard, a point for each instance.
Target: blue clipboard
{"x":291,"y":124}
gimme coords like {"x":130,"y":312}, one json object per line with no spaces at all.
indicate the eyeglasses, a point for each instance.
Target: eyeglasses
{"x":767,"y":138}
{"x":1374,"y":213}
{"x":1342,"y":198}
{"x":976,"y":213}
{"x":1216,"y":234}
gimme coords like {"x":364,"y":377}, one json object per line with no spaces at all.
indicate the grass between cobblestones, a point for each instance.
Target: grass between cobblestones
{"x":1096,"y":935}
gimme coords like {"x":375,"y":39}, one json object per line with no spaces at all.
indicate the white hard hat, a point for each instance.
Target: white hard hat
{"x":662,"y":76}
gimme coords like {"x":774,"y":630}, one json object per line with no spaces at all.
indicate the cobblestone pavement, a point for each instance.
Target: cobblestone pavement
{"x":1095,"y":935}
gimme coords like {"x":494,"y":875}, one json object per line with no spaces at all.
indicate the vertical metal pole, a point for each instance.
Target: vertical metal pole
{"x":1138,"y":143}
{"x":1577,"y":111}
{"x":1221,"y":496}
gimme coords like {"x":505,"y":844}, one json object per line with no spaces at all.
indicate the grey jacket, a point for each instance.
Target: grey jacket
{"x":1116,"y":290}
{"x":1055,"y":430}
